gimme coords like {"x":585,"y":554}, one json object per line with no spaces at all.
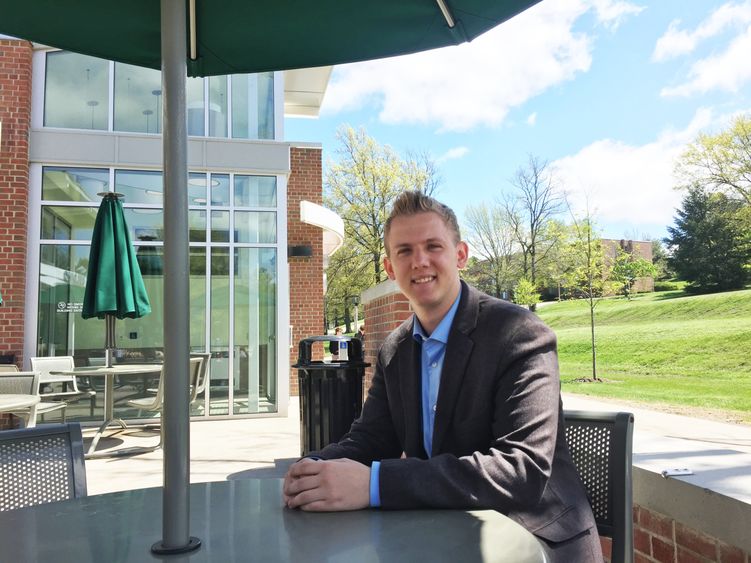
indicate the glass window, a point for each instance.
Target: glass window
{"x":252,"y":226}
{"x":76,"y":91}
{"x":138,"y":99}
{"x":196,"y":226}
{"x":253,"y":106}
{"x":255,"y":191}
{"x":220,"y":226}
{"x":139,"y":186}
{"x":197,"y":183}
{"x":145,"y":225}
{"x":219,"y":335}
{"x":74,"y":184}
{"x":220,"y":189}
{"x":68,"y":223}
{"x":254,"y":351}
{"x":217,"y":106}
{"x":194,"y":99}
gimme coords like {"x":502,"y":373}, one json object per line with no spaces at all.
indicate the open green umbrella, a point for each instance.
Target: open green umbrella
{"x":114,"y":286}
{"x":203,"y":38}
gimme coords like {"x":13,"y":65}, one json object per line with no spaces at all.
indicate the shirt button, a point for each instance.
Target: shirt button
{"x":434,"y":408}
{"x":434,"y":364}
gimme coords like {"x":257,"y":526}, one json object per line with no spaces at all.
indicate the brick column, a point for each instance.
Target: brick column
{"x":305,"y":273}
{"x":385,"y":308}
{"x":15,"y":116}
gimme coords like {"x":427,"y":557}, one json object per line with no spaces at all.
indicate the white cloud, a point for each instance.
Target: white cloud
{"x":630,"y":183}
{"x":727,"y":71}
{"x":480,"y":82}
{"x":675,"y":41}
{"x":532,"y":119}
{"x":452,"y":154}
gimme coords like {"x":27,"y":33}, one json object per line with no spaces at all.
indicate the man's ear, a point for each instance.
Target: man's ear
{"x":388,"y":267}
{"x":462,"y":254}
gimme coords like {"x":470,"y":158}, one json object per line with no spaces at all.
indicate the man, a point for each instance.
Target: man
{"x":360,"y":335}
{"x":464,"y":410}
{"x":334,"y":345}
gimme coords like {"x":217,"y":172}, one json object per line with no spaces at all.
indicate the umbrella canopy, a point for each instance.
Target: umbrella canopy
{"x":114,"y":285}
{"x":231,"y":36}
{"x":202,"y":38}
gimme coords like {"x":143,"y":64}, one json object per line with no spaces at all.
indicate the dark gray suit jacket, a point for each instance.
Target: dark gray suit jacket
{"x":498,"y":440}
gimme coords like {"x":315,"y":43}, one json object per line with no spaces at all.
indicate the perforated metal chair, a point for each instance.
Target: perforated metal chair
{"x":201,"y":377}
{"x":27,"y":383}
{"x":154,"y":404}
{"x":70,"y":392}
{"x":40,"y":465}
{"x":600,"y":444}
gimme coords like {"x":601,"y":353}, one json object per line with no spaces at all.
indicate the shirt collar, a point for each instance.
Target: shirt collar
{"x":441,"y":332}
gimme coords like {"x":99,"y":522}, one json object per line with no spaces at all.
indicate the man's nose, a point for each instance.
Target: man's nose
{"x":419,"y":259}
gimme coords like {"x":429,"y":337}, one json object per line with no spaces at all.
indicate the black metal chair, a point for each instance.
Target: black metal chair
{"x":600,"y":445}
{"x":40,"y":465}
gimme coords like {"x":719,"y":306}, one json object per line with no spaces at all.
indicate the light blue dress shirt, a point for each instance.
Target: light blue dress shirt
{"x":433,"y":351}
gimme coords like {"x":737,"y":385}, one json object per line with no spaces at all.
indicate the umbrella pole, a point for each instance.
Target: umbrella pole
{"x":175,"y":413}
{"x":109,"y":338}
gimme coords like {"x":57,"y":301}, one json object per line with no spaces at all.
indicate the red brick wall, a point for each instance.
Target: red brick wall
{"x":659,"y":538}
{"x":15,"y":113}
{"x":382,"y":315}
{"x":305,"y":274}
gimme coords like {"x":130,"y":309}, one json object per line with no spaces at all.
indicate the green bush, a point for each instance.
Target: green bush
{"x":669,"y":285}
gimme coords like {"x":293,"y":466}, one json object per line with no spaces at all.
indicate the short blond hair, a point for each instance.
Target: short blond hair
{"x":412,"y":202}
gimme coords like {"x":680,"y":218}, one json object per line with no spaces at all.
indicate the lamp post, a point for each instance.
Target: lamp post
{"x":356,"y":302}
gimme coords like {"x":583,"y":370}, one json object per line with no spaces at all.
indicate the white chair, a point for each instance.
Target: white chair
{"x":70,"y":391}
{"x":9,"y":368}
{"x":203,"y":375}
{"x":27,"y":383}
{"x":154,"y":404}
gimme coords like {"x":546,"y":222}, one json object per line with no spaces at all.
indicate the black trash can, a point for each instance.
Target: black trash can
{"x":330,"y":392}
{"x":7,"y":358}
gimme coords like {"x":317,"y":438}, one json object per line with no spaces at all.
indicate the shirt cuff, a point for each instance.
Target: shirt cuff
{"x":375,"y":484}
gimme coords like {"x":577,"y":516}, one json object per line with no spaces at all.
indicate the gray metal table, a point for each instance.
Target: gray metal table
{"x":109,"y":374}
{"x":244,"y":520}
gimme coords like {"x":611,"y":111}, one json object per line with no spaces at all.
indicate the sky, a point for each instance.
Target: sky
{"x":608,"y":92}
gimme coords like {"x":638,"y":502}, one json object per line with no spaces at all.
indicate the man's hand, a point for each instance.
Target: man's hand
{"x":325,"y":486}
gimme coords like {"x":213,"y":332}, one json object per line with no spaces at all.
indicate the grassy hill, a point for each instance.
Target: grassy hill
{"x":669,"y":348}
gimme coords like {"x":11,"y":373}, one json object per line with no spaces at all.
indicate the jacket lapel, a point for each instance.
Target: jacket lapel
{"x":458,"y":351}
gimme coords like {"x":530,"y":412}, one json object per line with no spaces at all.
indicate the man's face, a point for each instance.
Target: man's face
{"x":425,"y":261}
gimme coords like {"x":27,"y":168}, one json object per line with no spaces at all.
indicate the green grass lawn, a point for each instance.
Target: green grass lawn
{"x":669,"y":348}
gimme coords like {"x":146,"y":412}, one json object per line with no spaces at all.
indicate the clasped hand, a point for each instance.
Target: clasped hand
{"x":327,"y":485}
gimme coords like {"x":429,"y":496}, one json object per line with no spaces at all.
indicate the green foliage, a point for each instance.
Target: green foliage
{"x":628,"y":268}
{"x":669,"y":285}
{"x":721,"y":162}
{"x":360,"y":186}
{"x":711,"y":241}
{"x":667,"y":348}
{"x":525,"y":293}
{"x":660,"y":261}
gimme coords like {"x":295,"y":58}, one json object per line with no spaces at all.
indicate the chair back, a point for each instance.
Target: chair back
{"x":20,"y":383}
{"x":42,"y":464}
{"x":5,"y":368}
{"x":45,"y":364}
{"x":600,"y":445}
{"x":203,"y":374}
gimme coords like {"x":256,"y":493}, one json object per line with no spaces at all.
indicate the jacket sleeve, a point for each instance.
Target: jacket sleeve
{"x":510,"y":468}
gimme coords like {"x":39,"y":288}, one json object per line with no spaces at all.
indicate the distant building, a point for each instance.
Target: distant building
{"x":638,"y":249}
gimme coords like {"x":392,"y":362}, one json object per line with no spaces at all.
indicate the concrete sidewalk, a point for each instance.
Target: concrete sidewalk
{"x":718,"y":453}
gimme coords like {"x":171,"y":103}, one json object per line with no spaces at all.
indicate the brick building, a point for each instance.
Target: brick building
{"x":73,"y":126}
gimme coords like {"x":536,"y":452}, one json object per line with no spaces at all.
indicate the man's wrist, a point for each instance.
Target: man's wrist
{"x":375,"y":484}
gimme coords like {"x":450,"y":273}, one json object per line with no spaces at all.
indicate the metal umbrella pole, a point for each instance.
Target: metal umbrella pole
{"x":109,"y":338}
{"x":176,"y":413}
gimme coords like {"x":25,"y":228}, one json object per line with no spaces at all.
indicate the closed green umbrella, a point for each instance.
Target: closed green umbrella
{"x":204,"y":38}
{"x":114,"y":286}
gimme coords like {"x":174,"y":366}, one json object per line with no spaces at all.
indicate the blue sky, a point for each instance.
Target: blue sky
{"x":609,"y":92}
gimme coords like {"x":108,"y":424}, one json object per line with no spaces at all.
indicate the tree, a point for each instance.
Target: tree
{"x":526,"y":294}
{"x":628,"y":268}
{"x":589,"y":271}
{"x":361,"y":185}
{"x":660,"y":257}
{"x":721,"y":162}
{"x":536,"y":202}
{"x":710,"y":243}
{"x":491,"y":236}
